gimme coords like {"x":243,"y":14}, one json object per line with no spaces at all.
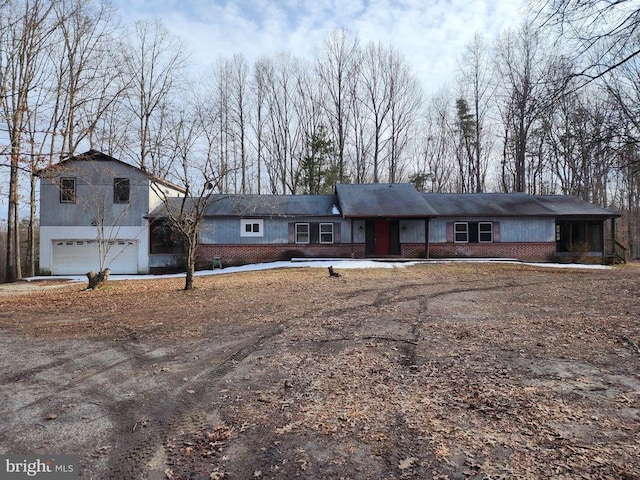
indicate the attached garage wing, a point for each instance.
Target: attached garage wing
{"x":77,"y":257}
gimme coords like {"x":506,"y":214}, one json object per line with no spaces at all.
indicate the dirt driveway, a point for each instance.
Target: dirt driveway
{"x":429,"y":371}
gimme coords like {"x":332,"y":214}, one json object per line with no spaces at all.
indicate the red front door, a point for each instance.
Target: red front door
{"x":382,"y":243}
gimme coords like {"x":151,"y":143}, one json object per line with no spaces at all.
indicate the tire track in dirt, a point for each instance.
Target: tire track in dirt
{"x":141,"y":428}
{"x":133,"y":355}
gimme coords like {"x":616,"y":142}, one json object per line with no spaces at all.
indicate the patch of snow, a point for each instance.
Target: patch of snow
{"x":338,"y":264}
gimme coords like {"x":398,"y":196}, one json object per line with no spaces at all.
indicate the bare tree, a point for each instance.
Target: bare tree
{"x":196,"y":172}
{"x":26,"y":29}
{"x":597,"y":33}
{"x":623,"y":87}
{"x":477,"y":88}
{"x":406,"y":98}
{"x":436,"y":168}
{"x":153,"y":61}
{"x":376,"y":98}
{"x":85,"y":71}
{"x":284,"y":135}
{"x":337,"y":68}
{"x":71,"y":94}
{"x":229,"y":96}
{"x":240,"y":114}
{"x":518,"y":61}
{"x":260,"y":92}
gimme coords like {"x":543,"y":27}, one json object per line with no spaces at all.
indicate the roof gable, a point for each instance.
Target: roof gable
{"x":97,"y":156}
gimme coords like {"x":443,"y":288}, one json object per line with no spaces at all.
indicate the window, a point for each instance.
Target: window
{"x":326,"y":233}
{"x":251,"y":227}
{"x":485,"y":232}
{"x":67,"y":190}
{"x":121,"y":190}
{"x":314,"y":232}
{"x":473,"y":232}
{"x":163,"y":239}
{"x":302,"y":233}
{"x":461,"y":232}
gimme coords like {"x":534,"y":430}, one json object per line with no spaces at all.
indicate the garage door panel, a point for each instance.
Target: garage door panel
{"x":77,"y":257}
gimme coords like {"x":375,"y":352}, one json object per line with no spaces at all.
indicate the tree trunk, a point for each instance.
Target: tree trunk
{"x":191,"y":264}
{"x":13,"y":225}
{"x":31,"y":253}
{"x":96,"y":280}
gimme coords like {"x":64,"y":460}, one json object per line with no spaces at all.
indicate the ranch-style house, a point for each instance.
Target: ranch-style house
{"x":93,"y":207}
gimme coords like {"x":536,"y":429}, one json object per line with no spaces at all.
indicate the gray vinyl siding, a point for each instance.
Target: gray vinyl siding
{"x":412,"y":231}
{"x":512,"y":230}
{"x":94,"y":191}
{"x":226,"y":230}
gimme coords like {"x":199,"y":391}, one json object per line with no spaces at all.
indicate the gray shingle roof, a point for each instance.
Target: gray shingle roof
{"x":513,"y":205}
{"x":222,"y":205}
{"x":567,"y":206}
{"x":397,"y":201}
{"x":486,"y":204}
{"x":400,"y":200}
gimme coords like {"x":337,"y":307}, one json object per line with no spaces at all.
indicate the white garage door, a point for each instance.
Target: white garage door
{"x":77,"y":257}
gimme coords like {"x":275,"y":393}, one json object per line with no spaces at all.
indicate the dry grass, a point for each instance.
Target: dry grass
{"x":432,"y":371}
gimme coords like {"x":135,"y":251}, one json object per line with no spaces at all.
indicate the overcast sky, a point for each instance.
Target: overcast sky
{"x":431,"y":34}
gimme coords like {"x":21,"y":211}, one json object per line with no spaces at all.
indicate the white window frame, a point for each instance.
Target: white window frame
{"x":299,"y":234}
{"x":465,"y":232}
{"x":480,"y":232}
{"x":252,"y":224}
{"x":330,"y":233}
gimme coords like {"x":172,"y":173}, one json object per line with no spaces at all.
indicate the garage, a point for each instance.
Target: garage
{"x":77,"y":257}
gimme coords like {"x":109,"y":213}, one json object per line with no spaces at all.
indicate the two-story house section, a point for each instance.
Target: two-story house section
{"x":93,"y":211}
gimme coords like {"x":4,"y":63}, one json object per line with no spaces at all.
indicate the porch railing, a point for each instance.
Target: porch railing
{"x":618,"y":254}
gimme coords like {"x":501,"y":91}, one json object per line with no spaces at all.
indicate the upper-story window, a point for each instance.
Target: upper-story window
{"x":121,"y":189}
{"x":67,"y":190}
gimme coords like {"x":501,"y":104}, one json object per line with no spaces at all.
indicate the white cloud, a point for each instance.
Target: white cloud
{"x":430,"y":34}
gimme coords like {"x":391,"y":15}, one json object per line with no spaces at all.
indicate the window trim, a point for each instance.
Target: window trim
{"x":456,"y":232}
{"x":489,"y":232}
{"x":321,"y":233}
{"x":118,"y":197}
{"x":68,"y":195}
{"x":252,"y":223}
{"x":307,"y":233}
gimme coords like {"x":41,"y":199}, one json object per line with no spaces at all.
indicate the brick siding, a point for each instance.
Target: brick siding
{"x":244,"y":254}
{"x":534,"y":251}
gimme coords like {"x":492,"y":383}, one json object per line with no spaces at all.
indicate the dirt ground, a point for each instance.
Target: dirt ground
{"x":428,"y":371}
